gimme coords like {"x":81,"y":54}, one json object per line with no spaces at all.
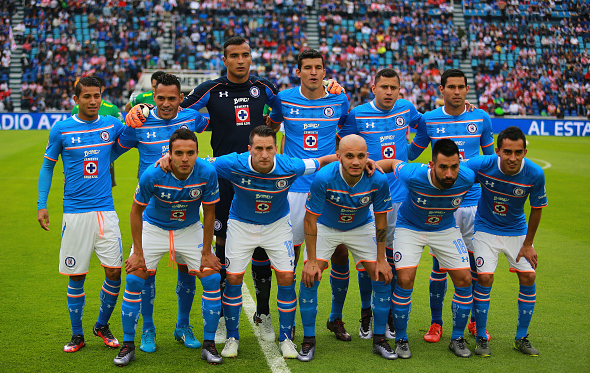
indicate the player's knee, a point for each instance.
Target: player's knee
{"x":210,"y":281}
{"x":285,"y":278}
{"x":405,"y":280}
{"x":182,"y":268}
{"x":235,"y":279}
{"x":113,"y":274}
{"x":220,"y":240}
{"x":527,"y":278}
{"x":485,"y":279}
{"x":340,"y":256}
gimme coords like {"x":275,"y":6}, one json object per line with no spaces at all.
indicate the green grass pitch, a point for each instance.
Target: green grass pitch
{"x":34,"y":322}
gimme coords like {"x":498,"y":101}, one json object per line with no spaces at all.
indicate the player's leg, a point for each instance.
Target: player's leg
{"x":148,"y":297}
{"x":226,"y":194}
{"x":437,"y":288}
{"x":391,"y":223}
{"x":339,"y":279}
{"x":262,"y":277}
{"x":185,"y":293}
{"x":130,"y":311}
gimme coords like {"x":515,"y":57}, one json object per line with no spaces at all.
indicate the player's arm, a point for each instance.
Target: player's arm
{"x":420,"y":142}
{"x":311,"y":270}
{"x":208,"y":259}
{"x":136,"y":261}
{"x":201,"y":122}
{"x":275,"y":118}
{"x":349,"y":125}
{"x":128,"y":107}
{"x":387,"y":165}
{"x":382,"y":268}
{"x":487,"y":137}
{"x":45,"y":177}
{"x":326,"y":159}
{"x":527,"y":250}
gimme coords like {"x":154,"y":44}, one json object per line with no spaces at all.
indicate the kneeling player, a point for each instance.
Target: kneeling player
{"x":171,"y":224}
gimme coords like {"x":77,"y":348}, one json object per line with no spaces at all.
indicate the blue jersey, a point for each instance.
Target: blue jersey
{"x":151,"y":139}
{"x":174,"y":204}
{"x":261,"y":198}
{"x":85,"y":149}
{"x":384,"y":132}
{"x":310,"y":126}
{"x":501,"y":208}
{"x":344,"y":207}
{"x":427,"y":208}
{"x":470,"y":131}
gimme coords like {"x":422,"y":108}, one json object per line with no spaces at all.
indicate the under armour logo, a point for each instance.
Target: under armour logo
{"x":246,"y":181}
{"x":223,"y":94}
{"x":151,"y":134}
{"x":370,"y":125}
{"x":441,"y":130}
{"x":490,"y":183}
{"x":76,"y":139}
{"x":307,"y":300}
{"x":335,"y":198}
{"x":420,"y":200}
{"x":295,"y":111}
{"x":164,"y":195}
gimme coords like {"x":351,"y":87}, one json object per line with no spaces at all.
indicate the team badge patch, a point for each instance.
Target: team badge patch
{"x":365,"y":200}
{"x":346,"y":218}
{"x":178,"y":215}
{"x":433,"y":219}
{"x":91,"y":168}
{"x":388,"y":151}
{"x":500,"y":208}
{"x":226,"y":262}
{"x":328,"y":112}
{"x":472,"y":128}
{"x":242,"y":115}
{"x":456,"y":201}
{"x":254,"y":92}
{"x":397,"y":256}
{"x":281,"y":183}
{"x":262,"y":206}
{"x":518,"y":192}
{"x":70,"y":262}
{"x":195,"y":193}
{"x":184,"y":126}
{"x":310,"y":141}
{"x":479,"y":261}
{"x":217,"y":225}
{"x":105,"y":136}
{"x":400,"y":121}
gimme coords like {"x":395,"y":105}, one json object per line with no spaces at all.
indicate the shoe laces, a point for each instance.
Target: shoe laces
{"x":306,"y":346}
{"x":211,"y":348}
{"x":266,"y":325}
{"x":339,"y":326}
{"x":188,"y":332}
{"x":365,"y":321}
{"x":482,"y":342}
{"x":149,"y":336}
{"x":403,"y":345}
{"x":383,"y":343}
{"x":76,"y":340}
{"x":125,"y":350}
{"x":106,"y":332}
{"x":435,"y":329}
{"x":461,"y":342}
{"x":289,"y":342}
{"x":524,"y":341}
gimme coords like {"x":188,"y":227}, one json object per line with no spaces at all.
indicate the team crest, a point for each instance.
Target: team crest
{"x":365,"y":200}
{"x":328,"y":112}
{"x":178,"y":215}
{"x":91,"y":168}
{"x":345,"y":218}
{"x":183,"y":126}
{"x":226,"y":262}
{"x":472,"y":128}
{"x":400,"y":121}
{"x":70,"y":262}
{"x":310,"y":141}
{"x":242,"y":115}
{"x":105,"y":136}
{"x":281,"y":183}
{"x":397,"y":256}
{"x":518,"y":191}
{"x":195,"y":193}
{"x":500,"y":208}
{"x":254,"y":92}
{"x":433,"y":219}
{"x":479,"y":261}
{"x":456,"y":201}
{"x":262,"y":206}
{"x":137,"y":189}
{"x":217,"y":225}
{"x":388,"y":151}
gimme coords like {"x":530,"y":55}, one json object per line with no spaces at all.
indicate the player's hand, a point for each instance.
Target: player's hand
{"x":383,"y":268}
{"x":135,"y":262}
{"x":529,"y":253}
{"x":164,"y":163}
{"x":136,"y":116}
{"x":371,"y":166}
{"x":469,"y":107}
{"x":333,"y":87}
{"x":311,"y":270}
{"x":210,"y":261}
{"x":43,"y":218}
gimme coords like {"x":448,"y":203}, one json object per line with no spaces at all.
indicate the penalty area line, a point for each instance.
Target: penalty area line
{"x":545,"y":165}
{"x":274,"y":359}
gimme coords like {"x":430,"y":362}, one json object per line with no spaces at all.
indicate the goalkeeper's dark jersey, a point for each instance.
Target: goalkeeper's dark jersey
{"x":234,"y":109}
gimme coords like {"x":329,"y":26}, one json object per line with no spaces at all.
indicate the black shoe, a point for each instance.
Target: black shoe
{"x":107,"y":337}
{"x":366,"y":328}
{"x":76,"y":343}
{"x":337,"y":327}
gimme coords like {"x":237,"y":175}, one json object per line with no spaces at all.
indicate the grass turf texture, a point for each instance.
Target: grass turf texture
{"x":34,"y":322}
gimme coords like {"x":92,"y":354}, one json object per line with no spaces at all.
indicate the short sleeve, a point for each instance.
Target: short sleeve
{"x":382,"y":202}
{"x":223,"y":165}
{"x":144,"y":189}
{"x":316,"y":196}
{"x":349,"y":127}
{"x":54,"y":145}
{"x":487,"y":137}
{"x":538,"y":195}
{"x":211,"y":192}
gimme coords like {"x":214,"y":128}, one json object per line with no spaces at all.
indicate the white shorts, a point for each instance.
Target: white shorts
{"x":85,"y":232}
{"x":488,"y":246}
{"x":465,"y":218}
{"x":447,"y":245}
{"x":186,"y":243}
{"x":297,"y":215}
{"x":243,"y":238}
{"x":360,"y":241}
{"x":391,"y":222}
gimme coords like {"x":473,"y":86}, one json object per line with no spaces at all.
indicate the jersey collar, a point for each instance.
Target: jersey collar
{"x":342,"y":176}
{"x":429,"y":172}
{"x":445,"y":113}
{"x":75,"y":117}
{"x":326,"y":94}
{"x":189,"y":175}
{"x":154,"y":112}
{"x":375,"y":107}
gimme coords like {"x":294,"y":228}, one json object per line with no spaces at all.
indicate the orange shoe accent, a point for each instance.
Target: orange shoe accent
{"x":473,"y":330}
{"x":434,"y":333}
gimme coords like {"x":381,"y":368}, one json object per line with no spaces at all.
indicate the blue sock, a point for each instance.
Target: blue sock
{"x":402,"y":305}
{"x":148,"y":295}
{"x":438,"y":289}
{"x":287,"y":305}
{"x":461,"y":306}
{"x":365,"y":288}
{"x":76,"y":300}
{"x":210,"y":305}
{"x":308,"y":307}
{"x":131,"y":307}
{"x":339,"y":277}
{"x":481,"y":306}
{"x":389,"y":254}
{"x":108,"y":300}
{"x":381,"y":306}
{"x":527,"y":298}
{"x":232,"y":306}
{"x":473,"y":282}
{"x":185,"y":292}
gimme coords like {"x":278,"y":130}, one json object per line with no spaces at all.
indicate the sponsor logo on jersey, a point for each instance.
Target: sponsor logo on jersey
{"x":400,"y":121}
{"x":241,"y":99}
{"x":262,"y":207}
{"x":242,"y":115}
{"x":461,"y":154}
{"x":433,"y":219}
{"x":310,"y":125}
{"x":91,"y":168}
{"x":456,"y":201}
{"x":183,"y":126}
{"x":281,"y":183}
{"x":346,"y":218}
{"x":254,"y":92}
{"x":267,"y":196}
{"x":310,"y":141}
{"x":472,"y":128}
{"x":388,"y":151}
{"x":105,"y":136}
{"x":76,"y":140}
{"x":178,"y":215}
{"x":518,"y":192}
{"x":294,"y":111}
{"x":223,"y":94}
{"x":329,"y":112}
{"x":91,"y":152}
{"x":370,"y":125}
{"x":479,"y":261}
{"x":165,"y":195}
{"x":195,"y":193}
{"x":70,"y":261}
{"x":397,"y":256}
{"x":500,"y":208}
{"x":365,"y":200}
{"x":440,"y":130}
{"x":217,"y":226}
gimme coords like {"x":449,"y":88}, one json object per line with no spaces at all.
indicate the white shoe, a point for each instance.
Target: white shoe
{"x":389,"y":334}
{"x":267,"y":333}
{"x":288,"y":349}
{"x":231,"y":347}
{"x":221,"y":332}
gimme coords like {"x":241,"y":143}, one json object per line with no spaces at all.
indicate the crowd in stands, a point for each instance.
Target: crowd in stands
{"x":7,"y":44}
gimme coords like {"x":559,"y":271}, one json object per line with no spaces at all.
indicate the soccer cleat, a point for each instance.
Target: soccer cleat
{"x":473,"y":330}
{"x":231,"y":347}
{"x":288,"y":349}
{"x":390,"y":328}
{"x":105,"y":333}
{"x":185,"y":334}
{"x":382,"y":348}
{"x":221,"y":332}
{"x":125,"y":356}
{"x":366,"y":328}
{"x":76,"y":343}
{"x":307,"y":351}
{"x":402,"y":349}
{"x":148,"y":341}
{"x":523,"y":345}
{"x":459,"y":347}
{"x":434,"y":333}
{"x":481,"y":347}
{"x":267,"y":333}
{"x":210,"y":354}
{"x":337,"y":327}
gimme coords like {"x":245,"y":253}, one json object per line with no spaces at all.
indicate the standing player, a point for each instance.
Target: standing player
{"x":470,"y":131}
{"x":171,"y":223}
{"x":145,"y":97}
{"x":259,"y":217}
{"x":90,"y":222}
{"x":383,"y":123}
{"x":311,"y":117}
{"x":507,"y":179}
{"x":339,"y":200}
{"x":425,"y":217}
{"x":152,"y":141}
